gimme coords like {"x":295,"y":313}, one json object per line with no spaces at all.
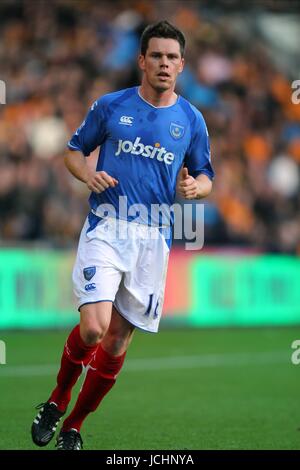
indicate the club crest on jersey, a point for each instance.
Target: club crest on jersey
{"x":176,"y":130}
{"x":89,"y":272}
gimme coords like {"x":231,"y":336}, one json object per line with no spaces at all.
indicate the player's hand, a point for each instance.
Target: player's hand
{"x":99,"y":181}
{"x":187,"y":186}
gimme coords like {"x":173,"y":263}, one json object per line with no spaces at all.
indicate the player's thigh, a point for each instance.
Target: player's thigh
{"x":119,"y":334}
{"x":95,"y":319}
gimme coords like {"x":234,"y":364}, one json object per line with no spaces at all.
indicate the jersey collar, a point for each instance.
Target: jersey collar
{"x":150,"y":104}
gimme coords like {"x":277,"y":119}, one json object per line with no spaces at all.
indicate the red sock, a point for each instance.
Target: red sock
{"x":75,"y":353}
{"x":99,"y":380}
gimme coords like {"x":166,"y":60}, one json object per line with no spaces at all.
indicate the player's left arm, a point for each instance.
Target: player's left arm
{"x":189,"y":187}
{"x":195,"y":178}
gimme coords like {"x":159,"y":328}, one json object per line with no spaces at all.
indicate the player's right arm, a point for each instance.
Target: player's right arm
{"x":87,"y":138}
{"x":96,"y":181}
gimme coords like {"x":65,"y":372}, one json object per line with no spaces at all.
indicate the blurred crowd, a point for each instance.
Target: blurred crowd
{"x":57,"y":57}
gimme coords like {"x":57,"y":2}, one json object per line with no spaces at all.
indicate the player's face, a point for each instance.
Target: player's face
{"x":162,"y":63}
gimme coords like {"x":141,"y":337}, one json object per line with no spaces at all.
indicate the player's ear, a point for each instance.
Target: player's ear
{"x":181,"y":65}
{"x":141,"y":61}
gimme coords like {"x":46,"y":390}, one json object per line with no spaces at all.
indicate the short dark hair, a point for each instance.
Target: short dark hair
{"x":162,"y":29}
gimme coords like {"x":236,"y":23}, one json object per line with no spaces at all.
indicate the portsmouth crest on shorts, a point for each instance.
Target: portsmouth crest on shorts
{"x":89,"y":272}
{"x":176,"y":130}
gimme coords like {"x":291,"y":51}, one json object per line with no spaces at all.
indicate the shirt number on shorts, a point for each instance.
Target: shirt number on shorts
{"x":150,"y":307}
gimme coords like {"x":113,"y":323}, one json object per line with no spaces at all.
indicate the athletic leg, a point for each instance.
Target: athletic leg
{"x":103,"y":371}
{"x":79,"y":349}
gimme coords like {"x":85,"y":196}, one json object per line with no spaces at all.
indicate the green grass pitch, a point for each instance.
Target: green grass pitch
{"x":179,"y":389}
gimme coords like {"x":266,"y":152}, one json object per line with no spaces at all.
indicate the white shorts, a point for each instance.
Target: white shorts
{"x":125,"y":263}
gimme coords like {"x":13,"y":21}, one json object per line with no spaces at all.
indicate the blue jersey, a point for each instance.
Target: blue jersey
{"x":143,"y":147}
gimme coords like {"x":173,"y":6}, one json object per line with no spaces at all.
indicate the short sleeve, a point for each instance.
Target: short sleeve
{"x":198,"y":158}
{"x":92,"y":131}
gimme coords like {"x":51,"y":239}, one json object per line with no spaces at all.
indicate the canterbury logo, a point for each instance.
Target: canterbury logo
{"x":126,"y":120}
{"x":148,"y":151}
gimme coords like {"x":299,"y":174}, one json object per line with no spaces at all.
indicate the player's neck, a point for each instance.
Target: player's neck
{"x":157,"y":99}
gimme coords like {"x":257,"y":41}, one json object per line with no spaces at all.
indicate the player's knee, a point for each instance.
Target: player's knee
{"x":91,"y":334}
